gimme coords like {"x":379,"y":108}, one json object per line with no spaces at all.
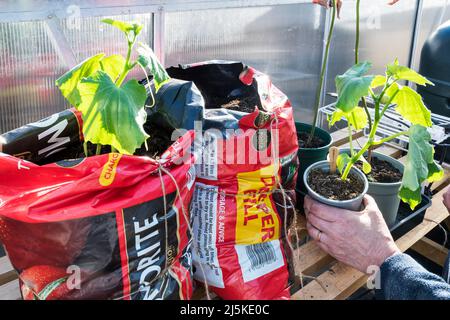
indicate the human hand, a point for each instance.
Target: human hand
{"x":358,"y":239}
{"x":446,"y":199}
{"x":326,"y":3}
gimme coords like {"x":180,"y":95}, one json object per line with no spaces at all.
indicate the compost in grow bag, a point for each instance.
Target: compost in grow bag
{"x":244,"y":195}
{"x":105,"y":227}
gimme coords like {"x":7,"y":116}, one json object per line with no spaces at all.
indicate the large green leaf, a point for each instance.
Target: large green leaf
{"x":113,"y":65}
{"x":113,"y":115}
{"x":419,"y":166}
{"x":342,"y":160}
{"x":378,"y":81}
{"x":68,"y":83}
{"x":357,"y":117}
{"x":353,"y":85}
{"x":148,"y":59}
{"x":410,"y":105}
{"x":399,"y":72}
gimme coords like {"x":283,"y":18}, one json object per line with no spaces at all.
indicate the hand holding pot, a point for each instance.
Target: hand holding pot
{"x":358,"y":239}
{"x":446,"y":199}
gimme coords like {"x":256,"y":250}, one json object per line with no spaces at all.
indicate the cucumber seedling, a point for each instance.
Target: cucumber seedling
{"x":386,"y":91}
{"x":113,"y":109}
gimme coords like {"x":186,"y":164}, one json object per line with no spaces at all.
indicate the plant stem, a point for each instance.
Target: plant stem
{"x":387,"y":139}
{"x":364,"y":102}
{"x":98,"y":150}
{"x":350,"y":140}
{"x":322,"y":73}
{"x":127,"y":67}
{"x":85,"y":148}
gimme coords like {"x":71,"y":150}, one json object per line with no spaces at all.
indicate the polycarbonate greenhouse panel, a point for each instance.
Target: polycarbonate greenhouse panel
{"x":434,"y":13}
{"x":386,"y":33}
{"x":34,"y":54}
{"x":284,"y":41}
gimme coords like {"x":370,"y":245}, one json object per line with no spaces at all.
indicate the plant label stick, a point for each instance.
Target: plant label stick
{"x":334,"y":152}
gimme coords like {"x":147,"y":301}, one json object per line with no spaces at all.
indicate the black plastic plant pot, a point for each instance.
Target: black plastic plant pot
{"x":308,"y":156}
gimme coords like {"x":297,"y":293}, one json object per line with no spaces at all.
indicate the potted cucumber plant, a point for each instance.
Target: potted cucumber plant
{"x":386,"y":91}
{"x":383,"y":172}
{"x":112,"y":108}
{"x":314,"y":143}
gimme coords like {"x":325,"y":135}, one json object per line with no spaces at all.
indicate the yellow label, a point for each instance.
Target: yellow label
{"x":109,"y":169}
{"x":257,"y":220}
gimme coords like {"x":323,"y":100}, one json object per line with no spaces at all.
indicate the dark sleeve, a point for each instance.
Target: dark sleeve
{"x":402,"y":278}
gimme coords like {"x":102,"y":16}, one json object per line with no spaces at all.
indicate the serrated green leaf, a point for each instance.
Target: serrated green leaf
{"x":342,"y":160}
{"x":113,"y":65}
{"x":419,"y":166}
{"x":367,"y":168}
{"x":125,"y":27}
{"x":352,"y":86}
{"x":411,"y":107}
{"x":148,"y":59}
{"x":68,"y":83}
{"x":378,"y":81}
{"x":399,"y":72}
{"x":113,"y":115}
{"x":357,"y":117}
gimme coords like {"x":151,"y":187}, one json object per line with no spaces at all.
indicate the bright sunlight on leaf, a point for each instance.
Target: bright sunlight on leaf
{"x":399,"y":72}
{"x":113,"y":115}
{"x":68,"y":83}
{"x":357,"y":117}
{"x":410,"y":105}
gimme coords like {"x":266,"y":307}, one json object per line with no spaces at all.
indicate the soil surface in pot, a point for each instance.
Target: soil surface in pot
{"x":157,"y":144}
{"x":331,"y":186}
{"x":243,"y":104}
{"x":382,"y":171}
{"x":316,"y":142}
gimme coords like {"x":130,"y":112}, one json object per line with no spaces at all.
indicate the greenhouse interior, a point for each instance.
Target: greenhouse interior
{"x":224,"y":150}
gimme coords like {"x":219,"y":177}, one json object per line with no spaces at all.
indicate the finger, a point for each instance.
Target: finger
{"x":323,"y":3}
{"x":338,"y":8}
{"x":316,"y":233}
{"x":323,"y":211}
{"x":369,"y":202}
{"x":393,"y":2}
{"x":320,"y":224}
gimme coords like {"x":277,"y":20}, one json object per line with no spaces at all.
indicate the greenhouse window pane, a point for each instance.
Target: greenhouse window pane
{"x":284,"y":41}
{"x":386,"y":33}
{"x":30,"y":62}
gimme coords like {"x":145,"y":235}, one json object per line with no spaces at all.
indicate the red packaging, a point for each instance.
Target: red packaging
{"x":104,"y":227}
{"x":245,"y":191}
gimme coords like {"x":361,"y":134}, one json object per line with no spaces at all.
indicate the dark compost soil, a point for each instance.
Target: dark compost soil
{"x":333,"y":187}
{"x":157,"y":144}
{"x":382,"y":171}
{"x":316,"y":142}
{"x":243,"y":104}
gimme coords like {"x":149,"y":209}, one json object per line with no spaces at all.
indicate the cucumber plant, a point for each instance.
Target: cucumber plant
{"x":386,"y":91}
{"x":113,"y":109}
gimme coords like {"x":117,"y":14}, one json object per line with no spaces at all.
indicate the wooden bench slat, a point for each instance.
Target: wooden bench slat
{"x":341,"y":281}
{"x":431,"y":250}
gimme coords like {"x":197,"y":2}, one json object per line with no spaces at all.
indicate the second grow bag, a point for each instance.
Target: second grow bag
{"x":104,"y":227}
{"x":244,"y":195}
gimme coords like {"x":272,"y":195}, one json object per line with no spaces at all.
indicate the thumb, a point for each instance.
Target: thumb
{"x":369,"y":202}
